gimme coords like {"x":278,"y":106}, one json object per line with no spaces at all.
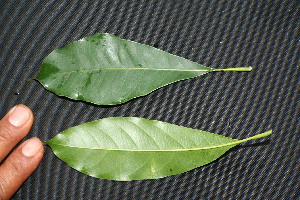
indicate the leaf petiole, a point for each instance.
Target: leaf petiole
{"x":239,"y":69}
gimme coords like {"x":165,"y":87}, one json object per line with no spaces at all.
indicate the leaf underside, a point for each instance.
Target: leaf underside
{"x":106,"y":70}
{"x":129,"y":148}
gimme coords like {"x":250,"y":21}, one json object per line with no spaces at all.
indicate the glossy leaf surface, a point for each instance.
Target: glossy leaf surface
{"x":106,"y":70}
{"x":121,"y":148}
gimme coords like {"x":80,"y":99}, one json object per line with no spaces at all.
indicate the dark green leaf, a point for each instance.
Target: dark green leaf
{"x":121,"y":148}
{"x":106,"y":70}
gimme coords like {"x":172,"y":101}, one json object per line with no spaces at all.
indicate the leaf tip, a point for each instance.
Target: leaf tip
{"x":48,"y":142}
{"x":31,"y":79}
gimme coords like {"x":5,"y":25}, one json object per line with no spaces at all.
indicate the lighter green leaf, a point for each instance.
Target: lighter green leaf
{"x":129,"y":148}
{"x":106,"y":70}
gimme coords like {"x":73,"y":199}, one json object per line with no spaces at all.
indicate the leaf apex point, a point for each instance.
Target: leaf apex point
{"x":31,"y":79}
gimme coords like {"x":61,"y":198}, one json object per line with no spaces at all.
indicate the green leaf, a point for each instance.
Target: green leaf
{"x":121,"y":148}
{"x":106,"y":70}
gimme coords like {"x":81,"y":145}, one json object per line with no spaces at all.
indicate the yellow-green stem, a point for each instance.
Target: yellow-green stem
{"x":240,"y":69}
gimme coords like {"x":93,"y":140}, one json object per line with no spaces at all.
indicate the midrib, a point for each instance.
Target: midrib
{"x":150,"y":69}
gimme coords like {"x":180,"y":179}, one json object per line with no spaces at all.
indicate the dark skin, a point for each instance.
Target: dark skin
{"x":16,"y":166}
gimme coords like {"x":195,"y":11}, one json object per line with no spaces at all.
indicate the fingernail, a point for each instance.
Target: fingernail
{"x":31,"y":147}
{"x":18,"y":115}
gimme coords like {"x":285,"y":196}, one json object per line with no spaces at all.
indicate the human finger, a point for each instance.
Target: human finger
{"x":14,"y":126}
{"x":19,"y":165}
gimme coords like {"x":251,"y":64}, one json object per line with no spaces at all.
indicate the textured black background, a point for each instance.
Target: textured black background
{"x":220,"y":33}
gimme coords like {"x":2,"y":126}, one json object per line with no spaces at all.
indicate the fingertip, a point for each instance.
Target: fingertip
{"x":32,"y":147}
{"x":20,"y":115}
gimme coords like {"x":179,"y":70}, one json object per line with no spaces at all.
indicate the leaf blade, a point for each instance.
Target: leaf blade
{"x":142,"y":159}
{"x":107,"y":70}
